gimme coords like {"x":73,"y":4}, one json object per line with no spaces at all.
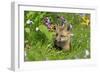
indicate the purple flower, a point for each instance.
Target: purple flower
{"x":47,"y":22}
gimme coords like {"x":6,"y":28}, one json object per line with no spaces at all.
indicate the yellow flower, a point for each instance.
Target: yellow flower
{"x":85,"y":20}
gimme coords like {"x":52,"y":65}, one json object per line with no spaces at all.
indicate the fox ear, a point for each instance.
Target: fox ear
{"x":69,"y":27}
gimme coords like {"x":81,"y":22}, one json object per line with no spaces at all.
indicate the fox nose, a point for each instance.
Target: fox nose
{"x":58,"y":40}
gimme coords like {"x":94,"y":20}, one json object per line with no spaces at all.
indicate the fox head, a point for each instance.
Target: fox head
{"x":63,"y":37}
{"x":63,"y":33}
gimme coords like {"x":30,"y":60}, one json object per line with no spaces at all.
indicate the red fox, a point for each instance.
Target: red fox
{"x":62,"y":38}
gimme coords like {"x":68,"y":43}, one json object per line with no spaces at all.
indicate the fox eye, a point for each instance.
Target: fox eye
{"x":62,"y":36}
{"x":56,"y":34}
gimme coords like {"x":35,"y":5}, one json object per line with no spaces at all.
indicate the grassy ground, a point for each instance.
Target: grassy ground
{"x":39,"y":44}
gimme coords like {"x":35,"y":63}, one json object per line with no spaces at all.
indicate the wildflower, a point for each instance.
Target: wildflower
{"x":37,"y":29}
{"x":47,"y":22}
{"x":25,"y":53}
{"x":72,"y":34}
{"x":49,"y":25}
{"x":29,"y":22}
{"x":86,"y":53}
{"x":85,"y":20}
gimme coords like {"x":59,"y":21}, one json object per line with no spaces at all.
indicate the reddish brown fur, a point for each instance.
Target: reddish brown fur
{"x":63,"y":38}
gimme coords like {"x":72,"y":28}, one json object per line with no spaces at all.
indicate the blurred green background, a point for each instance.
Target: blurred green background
{"x":38,"y":41}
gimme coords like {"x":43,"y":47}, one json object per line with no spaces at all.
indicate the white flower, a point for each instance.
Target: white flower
{"x":29,"y":21}
{"x":86,"y":53}
{"x":25,"y":53}
{"x":37,"y":29}
{"x":72,"y":34}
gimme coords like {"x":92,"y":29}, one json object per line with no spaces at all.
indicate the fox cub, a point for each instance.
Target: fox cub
{"x":62,"y":38}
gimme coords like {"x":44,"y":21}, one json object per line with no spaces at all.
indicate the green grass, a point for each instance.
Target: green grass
{"x":41,"y":41}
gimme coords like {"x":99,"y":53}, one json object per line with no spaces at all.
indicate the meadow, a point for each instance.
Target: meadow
{"x":38,"y":40}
